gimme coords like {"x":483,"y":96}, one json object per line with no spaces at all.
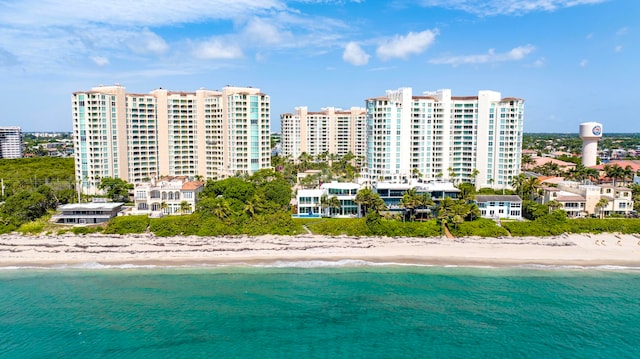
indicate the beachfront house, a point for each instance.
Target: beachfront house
{"x":87,"y":213}
{"x":500,"y":206}
{"x":166,"y":196}
{"x":320,"y":202}
{"x":392,"y":193}
{"x":308,"y":203}
{"x":580,"y":200}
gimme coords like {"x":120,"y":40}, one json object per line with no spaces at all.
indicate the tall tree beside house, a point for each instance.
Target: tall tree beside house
{"x":581,"y":173}
{"x":519,"y":184}
{"x":221,"y":208}
{"x":635,"y":195}
{"x":410,"y":201}
{"x":456,"y":211}
{"x":628,"y":173}
{"x":614,"y":172}
{"x":369,"y":201}
{"x":553,"y":205}
{"x":185,"y":207}
{"x":474,"y":175}
{"x":329,"y":202}
{"x":527,"y":161}
{"x":117,"y":189}
{"x":467,"y":191}
{"x":602,"y":203}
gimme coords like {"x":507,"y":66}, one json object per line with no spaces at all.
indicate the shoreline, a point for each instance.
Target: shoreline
{"x":580,"y":250}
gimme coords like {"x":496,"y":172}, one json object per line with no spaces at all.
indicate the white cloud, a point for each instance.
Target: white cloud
{"x":506,"y":7}
{"x":583,"y":63}
{"x":148,"y":42}
{"x":45,"y":13}
{"x":618,"y":48}
{"x":354,"y":55}
{"x":622,"y":31}
{"x":99,"y":60}
{"x":383,"y":68}
{"x":216,"y":49}
{"x":515,"y":54}
{"x":538,"y":63}
{"x":262,"y":32}
{"x":404,"y":46}
{"x":134,"y":32}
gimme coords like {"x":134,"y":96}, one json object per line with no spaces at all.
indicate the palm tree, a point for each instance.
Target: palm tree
{"x":467,"y":191}
{"x":368,"y":200}
{"x":602,"y":203}
{"x":533,"y":185}
{"x":254,"y":205}
{"x":455,"y":212}
{"x":333,"y":203}
{"x":553,"y":205}
{"x":527,"y":161}
{"x":410,"y":201}
{"x":185,"y":207}
{"x":221,"y":208}
{"x":614,"y":172}
{"x":519,"y":184}
{"x":426,"y":203}
{"x":474,"y":175}
{"x":416,"y":173}
{"x":452,"y":174}
{"x":627,"y":173}
{"x":163,"y":206}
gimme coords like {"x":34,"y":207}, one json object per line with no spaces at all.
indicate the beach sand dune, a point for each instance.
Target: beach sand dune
{"x":580,"y":250}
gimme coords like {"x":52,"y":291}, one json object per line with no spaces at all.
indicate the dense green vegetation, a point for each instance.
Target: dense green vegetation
{"x":481,"y":227}
{"x":557,"y":223}
{"x":33,"y":187}
{"x":29,"y":173}
{"x":259,"y":204}
{"x":370,"y":226}
{"x":256,"y":205}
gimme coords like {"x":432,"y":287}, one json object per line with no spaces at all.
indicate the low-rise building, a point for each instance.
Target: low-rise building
{"x":392,"y":193}
{"x":308,"y":203}
{"x":346,"y":195}
{"x":580,"y":200}
{"x":500,"y":206}
{"x":619,"y":200}
{"x":87,"y":213}
{"x":317,"y":202}
{"x":167,"y":196}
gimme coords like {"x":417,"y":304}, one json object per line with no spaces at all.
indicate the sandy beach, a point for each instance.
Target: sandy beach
{"x":578,"y":250}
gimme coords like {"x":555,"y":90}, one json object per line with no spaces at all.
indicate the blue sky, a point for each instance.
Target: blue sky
{"x":571,"y":60}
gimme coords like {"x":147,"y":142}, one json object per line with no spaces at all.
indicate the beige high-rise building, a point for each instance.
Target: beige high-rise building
{"x":136,"y":137}
{"x":331,"y":131}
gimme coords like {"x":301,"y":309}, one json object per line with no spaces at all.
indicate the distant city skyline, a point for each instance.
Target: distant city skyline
{"x":572,"y":61}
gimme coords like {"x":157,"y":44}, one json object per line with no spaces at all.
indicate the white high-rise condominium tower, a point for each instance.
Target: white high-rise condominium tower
{"x":331,"y":131}
{"x":213,"y":134}
{"x":435,"y":135}
{"x":10,"y":142}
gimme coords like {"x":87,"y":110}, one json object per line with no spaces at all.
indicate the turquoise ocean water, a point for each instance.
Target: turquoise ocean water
{"x":319,"y":312}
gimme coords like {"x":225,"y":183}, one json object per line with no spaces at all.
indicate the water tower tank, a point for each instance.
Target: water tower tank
{"x":590,"y":133}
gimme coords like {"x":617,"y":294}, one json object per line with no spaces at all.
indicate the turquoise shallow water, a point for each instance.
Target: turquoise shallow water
{"x":357,"y":312}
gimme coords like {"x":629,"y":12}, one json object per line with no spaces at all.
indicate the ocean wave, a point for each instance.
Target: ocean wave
{"x":344,"y":263}
{"x":83,"y":266}
{"x":577,"y":267}
{"x":338,"y":263}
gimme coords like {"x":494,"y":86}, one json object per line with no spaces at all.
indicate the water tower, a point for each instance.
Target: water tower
{"x":590,"y":133}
